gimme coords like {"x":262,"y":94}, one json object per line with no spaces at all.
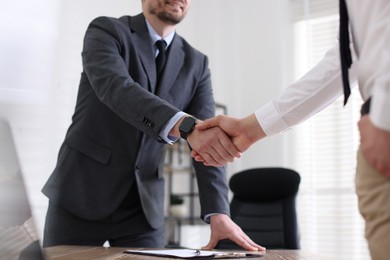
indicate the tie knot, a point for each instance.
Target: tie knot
{"x":161,"y":45}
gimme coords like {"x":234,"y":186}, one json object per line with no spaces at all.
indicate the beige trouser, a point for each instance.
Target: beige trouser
{"x":373,"y":190}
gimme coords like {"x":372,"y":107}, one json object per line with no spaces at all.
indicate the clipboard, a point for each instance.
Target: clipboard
{"x":196,"y":254}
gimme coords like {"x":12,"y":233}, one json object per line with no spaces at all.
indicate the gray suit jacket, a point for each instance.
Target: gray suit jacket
{"x":114,"y":136}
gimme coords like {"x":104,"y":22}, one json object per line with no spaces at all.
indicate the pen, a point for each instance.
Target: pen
{"x":230,"y":255}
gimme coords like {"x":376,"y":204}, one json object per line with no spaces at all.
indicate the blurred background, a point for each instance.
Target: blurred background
{"x":256,"y":49}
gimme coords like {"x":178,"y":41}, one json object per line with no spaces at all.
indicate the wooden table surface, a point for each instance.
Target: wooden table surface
{"x":111,"y":253}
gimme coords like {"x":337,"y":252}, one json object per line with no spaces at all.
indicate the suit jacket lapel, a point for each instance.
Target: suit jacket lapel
{"x":172,"y":67}
{"x":144,"y":45}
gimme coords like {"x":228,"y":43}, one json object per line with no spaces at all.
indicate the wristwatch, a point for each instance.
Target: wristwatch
{"x":187,"y":126}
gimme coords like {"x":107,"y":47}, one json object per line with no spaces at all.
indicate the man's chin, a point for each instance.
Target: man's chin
{"x":172,"y":19}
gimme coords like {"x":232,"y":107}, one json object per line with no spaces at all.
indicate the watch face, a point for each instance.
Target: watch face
{"x":187,"y":125}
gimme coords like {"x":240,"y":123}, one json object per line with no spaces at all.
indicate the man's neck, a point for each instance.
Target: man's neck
{"x":160,"y":27}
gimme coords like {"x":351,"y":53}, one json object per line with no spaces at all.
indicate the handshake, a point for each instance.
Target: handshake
{"x":219,"y":140}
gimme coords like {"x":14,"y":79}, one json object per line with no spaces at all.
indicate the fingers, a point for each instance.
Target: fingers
{"x":223,"y":128}
{"x":228,"y":145}
{"x":213,"y":147}
{"x":386,"y":172}
{"x":225,"y":148}
{"x":223,"y":153}
{"x":209,"y":123}
{"x":212,"y":159}
{"x":194,"y":154}
{"x":197,"y":157}
{"x":223,"y":227}
{"x":241,"y":239}
{"x":212,"y":153}
{"x":382,"y":166}
{"x":245,"y":242}
{"x":211,"y":245}
{"x":375,"y":146}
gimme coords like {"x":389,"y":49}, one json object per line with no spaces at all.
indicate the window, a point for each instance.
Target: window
{"x":325,"y":146}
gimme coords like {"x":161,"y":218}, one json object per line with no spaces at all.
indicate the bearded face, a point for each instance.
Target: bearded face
{"x":168,"y":11}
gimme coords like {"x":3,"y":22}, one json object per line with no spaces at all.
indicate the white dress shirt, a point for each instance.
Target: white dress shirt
{"x":370,"y":23}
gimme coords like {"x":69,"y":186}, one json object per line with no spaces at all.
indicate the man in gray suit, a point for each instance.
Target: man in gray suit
{"x":108,"y":182}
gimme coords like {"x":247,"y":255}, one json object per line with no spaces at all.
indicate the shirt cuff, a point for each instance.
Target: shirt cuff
{"x":164,"y":133}
{"x":270,"y":120}
{"x":208,"y":216}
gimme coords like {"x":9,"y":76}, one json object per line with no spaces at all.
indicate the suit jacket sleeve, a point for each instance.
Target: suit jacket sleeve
{"x":107,"y":56}
{"x":212,"y":183}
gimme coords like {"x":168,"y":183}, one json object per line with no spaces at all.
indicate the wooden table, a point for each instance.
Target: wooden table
{"x":113,"y":253}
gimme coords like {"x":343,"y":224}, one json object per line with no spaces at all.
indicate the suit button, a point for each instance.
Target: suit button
{"x":160,"y":140}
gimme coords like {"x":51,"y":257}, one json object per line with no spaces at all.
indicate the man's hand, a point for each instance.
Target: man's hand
{"x":222,"y":227}
{"x":243,"y":132}
{"x":213,"y":145}
{"x":375,"y":145}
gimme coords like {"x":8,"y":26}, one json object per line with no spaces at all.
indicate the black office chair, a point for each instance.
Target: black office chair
{"x":263,"y":205}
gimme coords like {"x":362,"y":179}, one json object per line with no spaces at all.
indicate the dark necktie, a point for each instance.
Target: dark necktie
{"x":160,"y":59}
{"x":345,"y":52}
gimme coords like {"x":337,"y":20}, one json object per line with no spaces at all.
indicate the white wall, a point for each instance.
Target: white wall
{"x":40,"y":64}
{"x":247,"y":44}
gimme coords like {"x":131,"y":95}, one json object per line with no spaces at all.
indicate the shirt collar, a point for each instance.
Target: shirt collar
{"x":155,"y":37}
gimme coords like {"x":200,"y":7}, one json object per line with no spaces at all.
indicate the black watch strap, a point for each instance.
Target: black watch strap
{"x":187,"y":126}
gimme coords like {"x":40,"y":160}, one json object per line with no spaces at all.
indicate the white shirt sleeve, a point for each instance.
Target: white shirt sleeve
{"x":318,"y":88}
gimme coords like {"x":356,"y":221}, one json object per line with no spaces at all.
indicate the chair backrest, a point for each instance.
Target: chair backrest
{"x":263,"y":205}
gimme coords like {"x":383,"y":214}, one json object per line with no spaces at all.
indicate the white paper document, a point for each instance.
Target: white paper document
{"x":193,"y":253}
